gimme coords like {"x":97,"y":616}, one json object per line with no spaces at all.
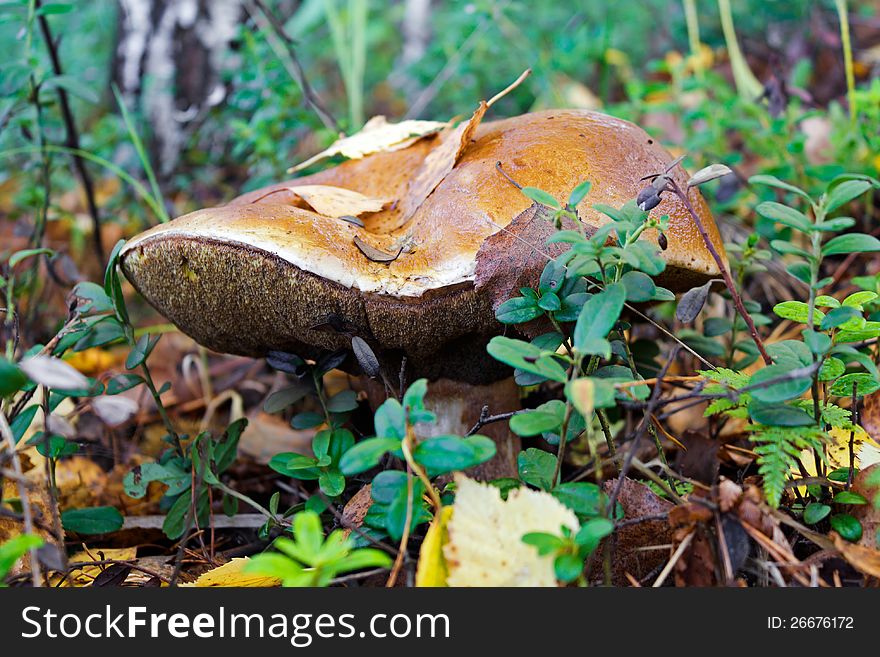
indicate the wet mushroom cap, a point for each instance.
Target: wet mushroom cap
{"x":265,"y":272}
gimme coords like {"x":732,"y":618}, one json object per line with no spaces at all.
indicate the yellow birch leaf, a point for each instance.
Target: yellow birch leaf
{"x":231,"y":574}
{"x":377,"y":135}
{"x":86,"y":575}
{"x":485,"y":546}
{"x":431,"y":570}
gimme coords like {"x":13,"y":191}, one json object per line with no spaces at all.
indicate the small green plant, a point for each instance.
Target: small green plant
{"x":13,"y":550}
{"x":309,"y":559}
{"x":783,"y":424}
{"x":571,"y":550}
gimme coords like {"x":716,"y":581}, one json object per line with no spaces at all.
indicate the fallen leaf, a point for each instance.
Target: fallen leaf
{"x":268,"y":435}
{"x":485,"y":546}
{"x":374,"y":254}
{"x":86,"y":575}
{"x":514,"y":257}
{"x":356,"y":509}
{"x":867,"y":484}
{"x":376,"y":135}
{"x":432,"y":570}
{"x":634,"y":543}
{"x":336,"y":202}
{"x":864,"y":559}
{"x":231,"y":574}
{"x":440,"y":161}
{"x":865,"y":449}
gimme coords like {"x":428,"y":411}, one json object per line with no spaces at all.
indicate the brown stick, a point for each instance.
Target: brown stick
{"x":728,"y":281}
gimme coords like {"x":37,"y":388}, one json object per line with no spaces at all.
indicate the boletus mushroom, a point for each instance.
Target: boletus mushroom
{"x":267,"y":272}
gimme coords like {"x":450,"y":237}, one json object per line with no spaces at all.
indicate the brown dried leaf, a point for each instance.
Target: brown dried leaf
{"x":864,"y":559}
{"x":515,"y":256}
{"x":630,"y":553}
{"x":868,"y":514}
{"x":356,"y":509}
{"x":439,"y":163}
{"x":729,"y":494}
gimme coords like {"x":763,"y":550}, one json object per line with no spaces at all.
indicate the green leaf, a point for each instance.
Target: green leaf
{"x":785,"y":215}
{"x":13,"y":549}
{"x":306,"y":420}
{"x":847,"y":526}
{"x":546,"y":418}
{"x":442,"y":454}
{"x":390,"y":420}
{"x":366,"y":454}
{"x":12,"y":379}
{"x":332,"y":483}
{"x":779,"y":415}
{"x":517,"y":311}
{"x":342,"y":402}
{"x":838,"y":316}
{"x":849,"y":497}
{"x":844,"y":193}
{"x":95,"y":520}
{"x":593,"y":531}
{"x":536,"y":467}
{"x":859,"y":299}
{"x":141,"y":350}
{"x":815,"y":513}
{"x":540,"y":196}
{"x":773,"y":181}
{"x":639,"y":286}
{"x":524,"y":356}
{"x":579,"y":193}
{"x":568,"y":567}
{"x":281,"y":399}
{"x":123,"y":382}
{"x":865,"y":384}
{"x":851,"y":243}
{"x":797,"y":311}
{"x":546,"y":543}
{"x":777,"y":392}
{"x":598,"y":316}
{"x":586,"y":499}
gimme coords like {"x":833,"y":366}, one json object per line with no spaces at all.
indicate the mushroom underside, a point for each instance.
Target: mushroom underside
{"x":233,"y":298}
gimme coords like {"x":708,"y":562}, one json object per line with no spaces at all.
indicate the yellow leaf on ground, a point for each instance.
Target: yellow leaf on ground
{"x":485,"y":546}
{"x":86,"y":575}
{"x":376,"y":135}
{"x":231,"y":574}
{"x":431,"y":570}
{"x":865,"y":449}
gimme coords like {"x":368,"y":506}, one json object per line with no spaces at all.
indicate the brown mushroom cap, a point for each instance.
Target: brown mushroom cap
{"x":265,"y":273}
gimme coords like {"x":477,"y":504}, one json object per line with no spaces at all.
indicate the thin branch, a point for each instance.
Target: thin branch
{"x":282,"y":44}
{"x":72,"y":140}
{"x":728,"y":281}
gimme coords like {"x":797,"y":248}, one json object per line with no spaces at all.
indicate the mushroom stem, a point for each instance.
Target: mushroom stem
{"x":458,"y":406}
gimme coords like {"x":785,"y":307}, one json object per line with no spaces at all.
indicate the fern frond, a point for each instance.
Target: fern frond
{"x":778,"y":450}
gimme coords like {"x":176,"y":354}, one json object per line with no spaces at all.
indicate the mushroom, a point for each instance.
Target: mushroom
{"x":265,"y":272}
